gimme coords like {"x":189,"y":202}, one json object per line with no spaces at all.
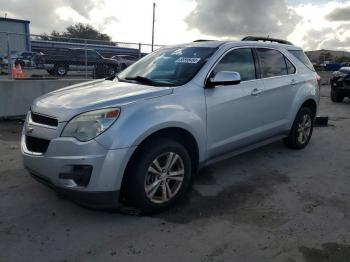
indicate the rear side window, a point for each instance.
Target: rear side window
{"x":272,"y":63}
{"x":238,"y":60}
{"x":303,"y":58}
{"x":290,"y":67}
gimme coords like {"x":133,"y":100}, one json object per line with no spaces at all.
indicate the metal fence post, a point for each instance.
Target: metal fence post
{"x":9,"y":60}
{"x":86,"y":59}
{"x":140,"y":54}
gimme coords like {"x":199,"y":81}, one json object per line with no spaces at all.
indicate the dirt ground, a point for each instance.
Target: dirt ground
{"x":271,"y":204}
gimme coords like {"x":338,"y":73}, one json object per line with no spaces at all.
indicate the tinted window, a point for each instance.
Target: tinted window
{"x":238,"y":60}
{"x":92,"y":54}
{"x":272,"y":63}
{"x":290,"y":67}
{"x":303,"y":58}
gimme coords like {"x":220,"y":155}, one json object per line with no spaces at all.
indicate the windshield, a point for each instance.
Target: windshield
{"x":168,"y":66}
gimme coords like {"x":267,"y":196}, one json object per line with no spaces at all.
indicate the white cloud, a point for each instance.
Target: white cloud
{"x":313,"y":25}
{"x":316,"y":31}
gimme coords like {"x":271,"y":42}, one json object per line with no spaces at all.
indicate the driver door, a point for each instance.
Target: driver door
{"x":234,"y":111}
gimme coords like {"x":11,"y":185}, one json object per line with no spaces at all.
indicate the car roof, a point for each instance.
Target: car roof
{"x":216,"y":44}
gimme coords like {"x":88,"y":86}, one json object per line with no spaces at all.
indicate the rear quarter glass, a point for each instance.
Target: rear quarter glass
{"x":302,"y":58}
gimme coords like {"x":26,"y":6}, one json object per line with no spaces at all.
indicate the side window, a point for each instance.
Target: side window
{"x":272,"y":63}
{"x":290,"y":67}
{"x":92,"y":54}
{"x":238,"y":60}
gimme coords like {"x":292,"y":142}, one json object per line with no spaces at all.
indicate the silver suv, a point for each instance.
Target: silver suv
{"x":142,"y":135}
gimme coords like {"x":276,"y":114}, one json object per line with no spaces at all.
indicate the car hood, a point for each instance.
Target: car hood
{"x":68,"y":102}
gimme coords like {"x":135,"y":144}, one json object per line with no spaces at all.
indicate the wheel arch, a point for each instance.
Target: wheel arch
{"x":179,"y":134}
{"x":310,"y":103}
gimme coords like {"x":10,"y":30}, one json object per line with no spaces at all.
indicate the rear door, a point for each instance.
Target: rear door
{"x":278,"y":77}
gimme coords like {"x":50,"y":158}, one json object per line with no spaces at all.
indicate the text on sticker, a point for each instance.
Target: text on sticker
{"x":188,"y":60}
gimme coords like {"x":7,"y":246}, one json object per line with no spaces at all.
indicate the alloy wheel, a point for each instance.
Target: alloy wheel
{"x":164,"y":177}
{"x":304,"y":129}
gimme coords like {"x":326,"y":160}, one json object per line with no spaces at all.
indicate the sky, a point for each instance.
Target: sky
{"x":310,"y":24}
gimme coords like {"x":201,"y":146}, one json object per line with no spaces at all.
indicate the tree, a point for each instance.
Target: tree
{"x":78,"y":30}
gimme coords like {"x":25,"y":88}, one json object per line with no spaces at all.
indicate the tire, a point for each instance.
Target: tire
{"x":139,"y":176}
{"x":294,"y":140}
{"x":123,"y":66}
{"x":51,"y":71}
{"x":111,"y":71}
{"x":61,"y":70}
{"x":336,"y":97}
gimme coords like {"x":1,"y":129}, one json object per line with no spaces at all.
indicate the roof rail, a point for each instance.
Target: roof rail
{"x":201,"y":40}
{"x":266,"y":39}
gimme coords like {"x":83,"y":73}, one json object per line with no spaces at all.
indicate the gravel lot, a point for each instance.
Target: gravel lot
{"x":271,"y":204}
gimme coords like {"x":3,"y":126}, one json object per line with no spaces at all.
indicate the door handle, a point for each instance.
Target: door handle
{"x":256,"y":92}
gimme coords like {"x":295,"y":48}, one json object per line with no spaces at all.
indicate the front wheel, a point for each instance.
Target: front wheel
{"x":301,"y":132}
{"x":160,"y":175}
{"x":111,"y":71}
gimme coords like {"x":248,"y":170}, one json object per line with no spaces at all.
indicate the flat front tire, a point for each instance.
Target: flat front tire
{"x":301,"y":132}
{"x":159,"y":175}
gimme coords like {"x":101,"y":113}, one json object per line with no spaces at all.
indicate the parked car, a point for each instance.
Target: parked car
{"x":30,"y":59}
{"x":142,"y":135}
{"x":340,"y":85}
{"x":2,"y":65}
{"x":125,"y":60}
{"x":5,"y":59}
{"x":78,"y":59}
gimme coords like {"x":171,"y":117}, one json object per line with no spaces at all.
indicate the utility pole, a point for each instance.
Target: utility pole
{"x":153,"y":20}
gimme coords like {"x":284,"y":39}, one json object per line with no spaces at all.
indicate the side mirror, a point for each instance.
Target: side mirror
{"x":224,"y":78}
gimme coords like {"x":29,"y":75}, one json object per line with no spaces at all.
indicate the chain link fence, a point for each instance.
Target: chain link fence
{"x":51,"y":57}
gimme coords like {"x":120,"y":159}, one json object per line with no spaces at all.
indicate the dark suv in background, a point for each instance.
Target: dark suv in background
{"x":79,"y":59}
{"x":340,"y":84}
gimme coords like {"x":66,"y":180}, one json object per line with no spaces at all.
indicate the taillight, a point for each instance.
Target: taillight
{"x":318,"y":79}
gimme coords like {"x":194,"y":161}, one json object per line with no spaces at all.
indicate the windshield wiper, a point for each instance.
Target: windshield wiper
{"x":143,"y":80}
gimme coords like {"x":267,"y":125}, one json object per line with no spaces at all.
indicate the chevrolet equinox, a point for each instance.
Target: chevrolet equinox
{"x":142,"y":134}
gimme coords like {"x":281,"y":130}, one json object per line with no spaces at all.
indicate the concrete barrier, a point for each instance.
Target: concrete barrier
{"x":16,"y":96}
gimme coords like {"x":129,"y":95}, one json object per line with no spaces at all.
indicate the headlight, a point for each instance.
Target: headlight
{"x":87,"y":126}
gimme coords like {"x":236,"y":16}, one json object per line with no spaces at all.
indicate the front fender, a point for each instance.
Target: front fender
{"x":139,"y":120}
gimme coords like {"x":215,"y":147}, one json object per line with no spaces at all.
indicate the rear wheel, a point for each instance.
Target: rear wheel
{"x":336,"y":96}
{"x":61,"y":70}
{"x":159,"y":176}
{"x":301,"y":132}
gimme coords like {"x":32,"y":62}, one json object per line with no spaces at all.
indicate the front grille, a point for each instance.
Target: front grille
{"x":44,"y":120}
{"x":37,"y":145}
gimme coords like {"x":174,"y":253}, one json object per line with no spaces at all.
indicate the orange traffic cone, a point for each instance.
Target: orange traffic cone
{"x":14,"y":72}
{"x":17,"y":72}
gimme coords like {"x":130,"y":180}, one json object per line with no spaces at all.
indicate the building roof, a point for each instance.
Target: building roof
{"x":14,"y":20}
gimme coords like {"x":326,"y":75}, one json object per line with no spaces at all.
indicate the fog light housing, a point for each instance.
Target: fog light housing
{"x":76,"y":175}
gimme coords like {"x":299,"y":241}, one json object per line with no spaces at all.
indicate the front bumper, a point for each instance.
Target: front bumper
{"x":100,"y":200}
{"x":62,"y":153}
{"x":341,"y":85}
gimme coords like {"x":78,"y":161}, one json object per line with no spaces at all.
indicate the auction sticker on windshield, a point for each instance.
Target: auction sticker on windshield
{"x":188,"y":60}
